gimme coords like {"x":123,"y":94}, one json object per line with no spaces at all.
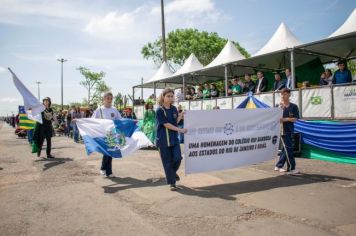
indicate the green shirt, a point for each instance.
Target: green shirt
{"x":236,"y":89}
{"x":206,"y":93}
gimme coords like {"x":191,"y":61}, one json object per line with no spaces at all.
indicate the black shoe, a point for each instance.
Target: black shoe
{"x":173,"y":187}
{"x":50,"y":156}
{"x":38,"y":154}
{"x":177,"y":177}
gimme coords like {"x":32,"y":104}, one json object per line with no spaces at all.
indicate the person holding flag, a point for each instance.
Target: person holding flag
{"x":45,"y":130}
{"x":167,"y":118}
{"x":107,"y":112}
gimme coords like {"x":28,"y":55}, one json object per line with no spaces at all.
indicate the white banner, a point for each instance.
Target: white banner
{"x":345,"y":101}
{"x":185,"y":105}
{"x":139,"y":112}
{"x":316,"y":102}
{"x":224,"y":139}
{"x":224,"y":103}
{"x":294,"y":98}
{"x":265,"y":98}
{"x":209,"y":104}
{"x":238,"y":100}
{"x":195,"y":105}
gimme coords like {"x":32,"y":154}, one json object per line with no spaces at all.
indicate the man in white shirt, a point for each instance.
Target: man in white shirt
{"x":289,"y":78}
{"x":106,"y":111}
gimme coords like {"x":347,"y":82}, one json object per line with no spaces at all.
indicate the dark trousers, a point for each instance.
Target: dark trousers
{"x":106,"y":164}
{"x":287,"y":152}
{"x":48,"y":142}
{"x":171,"y":158}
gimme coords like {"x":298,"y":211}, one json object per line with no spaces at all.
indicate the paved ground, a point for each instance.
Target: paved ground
{"x":66,"y":196}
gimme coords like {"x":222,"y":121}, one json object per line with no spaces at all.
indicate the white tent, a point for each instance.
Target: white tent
{"x":283,"y":38}
{"x":190,"y":65}
{"x":227,"y":55}
{"x":348,"y":26}
{"x":162,"y":73}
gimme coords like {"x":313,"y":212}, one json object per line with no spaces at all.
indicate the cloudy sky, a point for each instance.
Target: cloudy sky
{"x":108,"y":35}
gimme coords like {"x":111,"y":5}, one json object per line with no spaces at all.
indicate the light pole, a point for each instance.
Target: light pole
{"x":61,"y":60}
{"x":38,"y":90}
{"x":163,"y":33}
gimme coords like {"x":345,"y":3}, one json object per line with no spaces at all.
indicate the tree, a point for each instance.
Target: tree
{"x":182,"y":42}
{"x":118,"y":100}
{"x":100,"y":89}
{"x":93,"y":81}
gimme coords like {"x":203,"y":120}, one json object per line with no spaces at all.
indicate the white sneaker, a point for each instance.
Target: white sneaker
{"x":276,"y":168}
{"x":111,"y":176}
{"x":281,"y":170}
{"x":294,"y":172}
{"x":103,"y":172}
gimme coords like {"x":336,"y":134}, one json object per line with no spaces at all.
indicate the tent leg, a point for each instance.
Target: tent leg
{"x":142,"y":88}
{"x":226,"y":88}
{"x":154,"y":90}
{"x":133,"y":97}
{"x":183,"y":87}
{"x":292,"y":68}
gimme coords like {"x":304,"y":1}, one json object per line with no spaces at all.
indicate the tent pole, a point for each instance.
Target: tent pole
{"x":183,"y":87}
{"x":154,"y":90}
{"x":133,"y":98}
{"x":142,"y":88}
{"x":292,"y":67}
{"x":226,"y":88}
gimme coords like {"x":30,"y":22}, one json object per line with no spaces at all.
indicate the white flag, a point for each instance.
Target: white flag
{"x":33,"y":107}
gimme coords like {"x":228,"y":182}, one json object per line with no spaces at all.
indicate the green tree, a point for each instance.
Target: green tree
{"x":118,"y":100}
{"x":100,"y":89}
{"x":182,"y":42}
{"x":93,"y":82}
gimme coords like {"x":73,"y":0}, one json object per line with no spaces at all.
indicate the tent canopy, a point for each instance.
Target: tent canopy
{"x":190,"y":65}
{"x":283,"y":38}
{"x":348,"y":26}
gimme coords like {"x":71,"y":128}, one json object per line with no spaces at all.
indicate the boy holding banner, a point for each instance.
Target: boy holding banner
{"x":290,"y":115}
{"x":167,"y":117}
{"x":107,"y":112}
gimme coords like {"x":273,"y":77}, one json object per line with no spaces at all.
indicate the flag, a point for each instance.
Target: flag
{"x":24,"y":121}
{"x":115,"y":138}
{"x":251,"y":103}
{"x":31,"y":102}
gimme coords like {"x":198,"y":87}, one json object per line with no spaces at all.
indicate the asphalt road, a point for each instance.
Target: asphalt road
{"x":67,"y":196}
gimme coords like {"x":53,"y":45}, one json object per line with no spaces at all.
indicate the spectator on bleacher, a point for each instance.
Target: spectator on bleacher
{"x":199,"y":93}
{"x":323,"y":80}
{"x":229,"y":85}
{"x":249,"y":84}
{"x":236,"y":88}
{"x":289,"y":78}
{"x":342,"y":75}
{"x":329,"y":76}
{"x":279,"y":83}
{"x":190,"y":93}
{"x":179,"y":95}
{"x":206,"y":91}
{"x":214,"y":92}
{"x":306,"y":84}
{"x":261,"y":83}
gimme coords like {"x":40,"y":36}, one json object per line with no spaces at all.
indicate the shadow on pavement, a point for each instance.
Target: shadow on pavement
{"x":227,"y":191}
{"x":53,"y":162}
{"x":129,"y":183}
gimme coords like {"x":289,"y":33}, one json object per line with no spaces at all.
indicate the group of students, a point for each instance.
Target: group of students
{"x":167,"y":125}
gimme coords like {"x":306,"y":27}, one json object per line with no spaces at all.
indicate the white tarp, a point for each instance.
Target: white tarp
{"x":224,"y":103}
{"x":348,"y":26}
{"x":238,"y":100}
{"x":227,"y":55}
{"x":316,"y":102}
{"x":185,"y":105}
{"x":283,"y":38}
{"x":345,"y":101}
{"x":195,"y":105}
{"x":266,"y":98}
{"x":209,"y":104}
{"x":225,"y":139}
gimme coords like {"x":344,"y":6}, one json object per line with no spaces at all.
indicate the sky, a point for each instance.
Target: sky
{"x":108,"y":35}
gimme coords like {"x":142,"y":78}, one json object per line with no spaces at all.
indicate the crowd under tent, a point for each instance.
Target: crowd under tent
{"x":282,"y":51}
